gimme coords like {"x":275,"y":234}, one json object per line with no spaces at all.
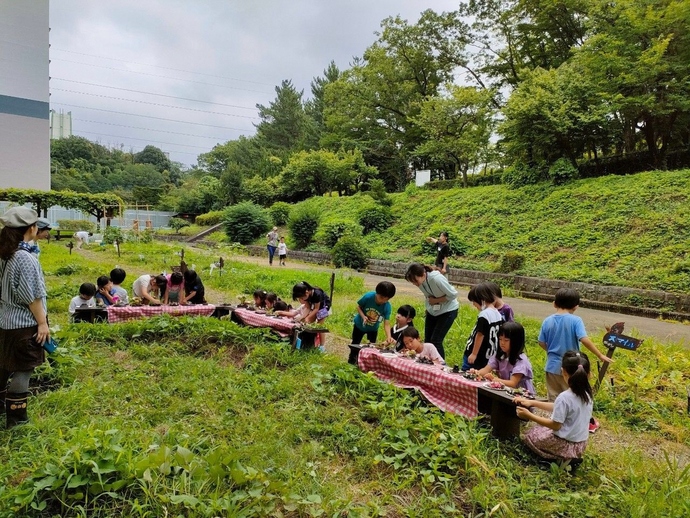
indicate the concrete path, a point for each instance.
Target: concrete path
{"x":595,"y":320}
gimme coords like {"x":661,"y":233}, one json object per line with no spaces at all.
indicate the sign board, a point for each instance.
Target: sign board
{"x":612,"y":340}
{"x":422,"y":177}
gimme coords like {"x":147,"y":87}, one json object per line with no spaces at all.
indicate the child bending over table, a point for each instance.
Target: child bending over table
{"x":510,"y":362}
{"x":372,"y":309}
{"x":412,"y":342}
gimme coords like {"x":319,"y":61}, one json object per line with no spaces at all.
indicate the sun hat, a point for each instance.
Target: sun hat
{"x":17,"y":217}
{"x":44,"y":224}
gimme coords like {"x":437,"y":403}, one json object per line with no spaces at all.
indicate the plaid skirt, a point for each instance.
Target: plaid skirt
{"x":19,"y":350}
{"x":542,"y":441}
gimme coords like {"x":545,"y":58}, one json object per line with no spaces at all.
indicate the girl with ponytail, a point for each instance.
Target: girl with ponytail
{"x":563,"y":436}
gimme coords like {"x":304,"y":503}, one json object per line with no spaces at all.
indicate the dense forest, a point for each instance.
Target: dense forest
{"x":522,"y":91}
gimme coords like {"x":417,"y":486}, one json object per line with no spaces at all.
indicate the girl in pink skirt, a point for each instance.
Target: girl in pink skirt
{"x":563,"y":436}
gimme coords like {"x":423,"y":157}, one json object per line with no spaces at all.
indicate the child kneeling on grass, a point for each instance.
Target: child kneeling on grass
{"x":563,"y":436}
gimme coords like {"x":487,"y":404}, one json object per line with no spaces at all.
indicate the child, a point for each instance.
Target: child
{"x":146,"y":287}
{"x":174,"y":292}
{"x":106,"y":294}
{"x":281,"y":306}
{"x":117,"y":276}
{"x":372,"y":309}
{"x":403,"y":319}
{"x":260,"y":299}
{"x":442,"y":251}
{"x":194,"y":292}
{"x":275,"y":303}
{"x":564,"y":435}
{"x":560,"y":333}
{"x":297,"y":314}
{"x":504,"y":309}
{"x":282,"y":251}
{"x":483,"y":342}
{"x":84,"y":299}
{"x":513,"y":367}
{"x":316,"y":302}
{"x":411,"y":340}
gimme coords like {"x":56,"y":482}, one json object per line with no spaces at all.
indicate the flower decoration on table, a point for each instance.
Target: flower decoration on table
{"x":495,"y":385}
{"x":410,"y":353}
{"x":470,"y":375}
{"x":243,"y":299}
{"x":424,"y":360}
{"x":135,"y":301}
{"x":519,"y":391}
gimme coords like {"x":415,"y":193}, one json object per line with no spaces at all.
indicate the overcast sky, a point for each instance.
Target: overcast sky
{"x":230,"y":54}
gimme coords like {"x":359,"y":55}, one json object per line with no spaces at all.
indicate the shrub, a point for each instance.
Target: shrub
{"x":178,"y":223}
{"x":375,"y":219}
{"x":280,"y":213}
{"x":350,"y":252}
{"x":304,"y":221}
{"x":332,"y":230}
{"x":562,"y":171}
{"x":520,"y":174}
{"x":245,"y":222}
{"x":210,"y":218}
{"x":511,"y":261}
{"x":113,"y":233}
{"x":377,"y":190}
{"x":76,"y":224}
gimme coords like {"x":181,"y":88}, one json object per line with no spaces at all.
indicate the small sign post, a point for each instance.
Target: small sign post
{"x":70,"y":245}
{"x":221,"y":263}
{"x":616,"y":339}
{"x":117,"y":245}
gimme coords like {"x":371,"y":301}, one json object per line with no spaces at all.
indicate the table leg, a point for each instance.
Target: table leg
{"x":504,"y":423}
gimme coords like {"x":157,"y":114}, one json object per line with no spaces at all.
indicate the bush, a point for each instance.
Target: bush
{"x":245,"y":222}
{"x":562,"y":171}
{"x":113,"y":233}
{"x":331,"y":231}
{"x":178,"y":223}
{"x":280,"y":213}
{"x":210,"y":218}
{"x":377,"y":190}
{"x":350,"y":252}
{"x":520,"y":174}
{"x":76,"y":224}
{"x":304,"y":221}
{"x":511,"y":261}
{"x":375,"y":219}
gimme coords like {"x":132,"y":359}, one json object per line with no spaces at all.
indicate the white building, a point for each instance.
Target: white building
{"x":24,"y":108}
{"x":60,"y":124}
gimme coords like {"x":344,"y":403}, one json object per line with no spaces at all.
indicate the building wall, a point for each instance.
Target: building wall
{"x":24,"y":97}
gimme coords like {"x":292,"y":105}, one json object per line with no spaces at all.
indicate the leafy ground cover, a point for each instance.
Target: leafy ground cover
{"x":200,"y":417}
{"x":621,"y":230}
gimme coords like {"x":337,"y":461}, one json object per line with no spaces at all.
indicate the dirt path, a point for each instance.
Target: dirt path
{"x":595,"y":320}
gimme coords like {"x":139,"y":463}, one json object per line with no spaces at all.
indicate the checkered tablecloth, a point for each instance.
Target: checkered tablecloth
{"x":449,"y":392}
{"x":124,"y":313}
{"x":283,"y":326}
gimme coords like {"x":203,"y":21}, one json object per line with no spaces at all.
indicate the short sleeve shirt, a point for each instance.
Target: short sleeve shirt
{"x":273,"y":238}
{"x":374,"y":311}
{"x":574,"y":416}
{"x":121,"y":294}
{"x":429,"y":351}
{"x":22,"y":283}
{"x":506,"y":370}
{"x":561,"y":333}
{"x":442,"y":251}
{"x":140,"y":285}
{"x":319,"y":296}
{"x":488,"y":323}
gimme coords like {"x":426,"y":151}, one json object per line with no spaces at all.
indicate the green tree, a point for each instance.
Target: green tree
{"x":458,"y":126}
{"x":154,"y":156}
{"x":283,"y":122}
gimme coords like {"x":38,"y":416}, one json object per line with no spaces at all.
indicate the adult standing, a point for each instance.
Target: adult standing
{"x":440,"y":301}
{"x":23,"y":314}
{"x":442,"y":252}
{"x":272,"y":244}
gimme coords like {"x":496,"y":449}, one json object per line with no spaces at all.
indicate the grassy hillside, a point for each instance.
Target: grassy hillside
{"x":622,"y":230}
{"x":200,"y":417}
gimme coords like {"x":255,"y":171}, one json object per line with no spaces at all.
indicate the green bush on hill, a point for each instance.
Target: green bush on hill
{"x":280,"y":213}
{"x":350,"y":252}
{"x":210,"y":218}
{"x":332,"y":230}
{"x":304,"y":220}
{"x":245,"y":222}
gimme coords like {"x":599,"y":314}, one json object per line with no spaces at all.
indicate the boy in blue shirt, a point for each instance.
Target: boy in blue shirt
{"x":562,"y":332}
{"x":372,"y":309}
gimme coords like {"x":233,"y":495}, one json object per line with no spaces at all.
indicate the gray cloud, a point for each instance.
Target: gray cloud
{"x":228,"y":52}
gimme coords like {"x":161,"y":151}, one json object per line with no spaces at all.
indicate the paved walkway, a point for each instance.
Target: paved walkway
{"x":595,"y":320}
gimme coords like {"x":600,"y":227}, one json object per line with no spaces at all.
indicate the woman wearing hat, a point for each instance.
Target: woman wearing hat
{"x":23,"y":315}
{"x":272,"y":244}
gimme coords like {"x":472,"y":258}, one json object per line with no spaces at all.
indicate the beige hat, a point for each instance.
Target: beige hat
{"x":18,"y":217}
{"x":275,"y":228}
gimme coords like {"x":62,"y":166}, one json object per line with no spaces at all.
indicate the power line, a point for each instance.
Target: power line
{"x":158,"y":75}
{"x":154,"y":104}
{"x":147,"y":116}
{"x":161,"y":67}
{"x":142,"y":139}
{"x":152,"y":93}
{"x":149,"y":129}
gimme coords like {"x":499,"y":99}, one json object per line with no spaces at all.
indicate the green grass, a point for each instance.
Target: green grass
{"x":200,"y":417}
{"x":621,"y":230}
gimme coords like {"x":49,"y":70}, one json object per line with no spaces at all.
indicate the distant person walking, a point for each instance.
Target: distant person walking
{"x":442,"y":252}
{"x":272,"y":244}
{"x":23,"y":312}
{"x":81,"y":237}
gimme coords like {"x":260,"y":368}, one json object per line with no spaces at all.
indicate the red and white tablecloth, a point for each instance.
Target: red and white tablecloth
{"x":283,"y":326}
{"x":449,"y":392}
{"x":124,"y":313}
